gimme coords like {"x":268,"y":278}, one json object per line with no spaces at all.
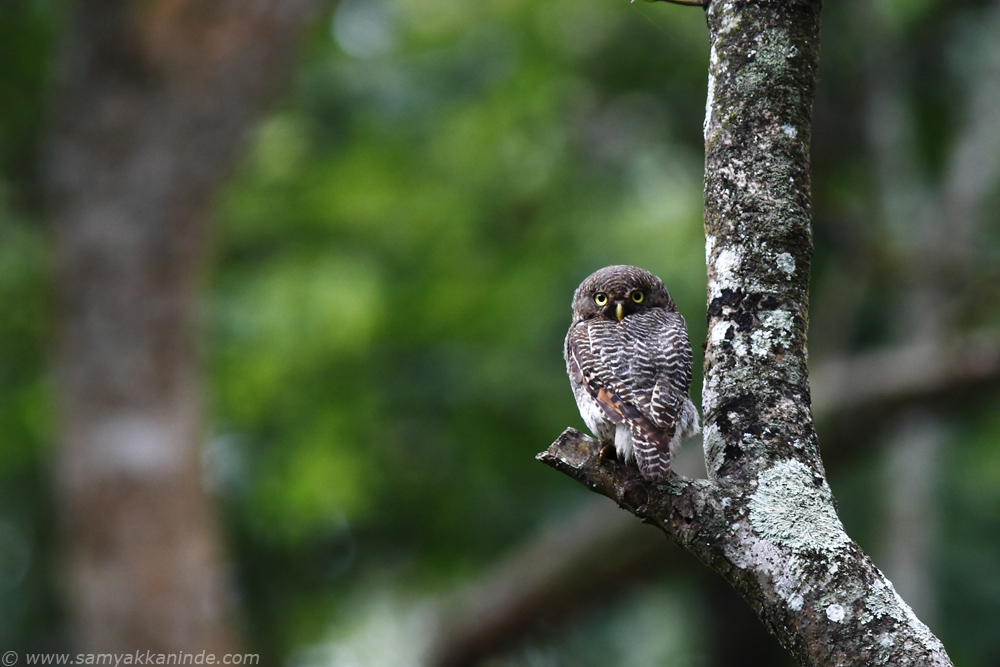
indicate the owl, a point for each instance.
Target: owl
{"x":629,"y":362}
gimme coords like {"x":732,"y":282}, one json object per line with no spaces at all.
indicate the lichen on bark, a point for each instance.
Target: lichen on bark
{"x":758,"y":239}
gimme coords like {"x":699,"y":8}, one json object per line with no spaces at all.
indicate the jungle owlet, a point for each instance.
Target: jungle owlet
{"x":629,"y":362}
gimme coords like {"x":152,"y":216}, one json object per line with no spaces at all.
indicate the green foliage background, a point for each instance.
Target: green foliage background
{"x":393,"y":267}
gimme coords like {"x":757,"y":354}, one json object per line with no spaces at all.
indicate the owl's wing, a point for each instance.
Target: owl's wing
{"x":639,"y":372}
{"x":668,"y":361}
{"x":657,"y":384}
{"x":591,"y":362}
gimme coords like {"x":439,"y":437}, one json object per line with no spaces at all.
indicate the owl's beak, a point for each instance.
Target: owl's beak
{"x":619,"y":310}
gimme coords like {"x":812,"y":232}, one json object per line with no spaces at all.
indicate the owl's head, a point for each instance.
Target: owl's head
{"x":615,"y":292}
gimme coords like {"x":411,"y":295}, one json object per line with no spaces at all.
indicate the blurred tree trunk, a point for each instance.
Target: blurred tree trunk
{"x":155,"y":100}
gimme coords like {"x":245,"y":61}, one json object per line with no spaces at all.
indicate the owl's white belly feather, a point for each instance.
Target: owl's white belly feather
{"x":601,"y":426}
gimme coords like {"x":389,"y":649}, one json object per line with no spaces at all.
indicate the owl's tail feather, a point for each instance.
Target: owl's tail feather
{"x":654,"y":463}
{"x":651,"y":444}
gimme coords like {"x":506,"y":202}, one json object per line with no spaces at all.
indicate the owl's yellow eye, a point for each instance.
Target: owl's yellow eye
{"x":638,"y":296}
{"x":601,"y":299}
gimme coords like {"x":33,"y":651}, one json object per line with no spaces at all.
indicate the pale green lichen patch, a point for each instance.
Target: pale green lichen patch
{"x":883,"y":600}
{"x":836,"y":613}
{"x":713,"y":444}
{"x":777,"y":328}
{"x":788,"y":575}
{"x":727,"y":264}
{"x":713,"y":66}
{"x":726,"y":274}
{"x":786,"y":264}
{"x":790,"y":509}
{"x":719,"y":331}
{"x":769,"y":60}
{"x":730,"y":22}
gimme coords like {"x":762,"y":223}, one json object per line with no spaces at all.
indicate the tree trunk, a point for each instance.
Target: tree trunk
{"x":155,"y":101}
{"x":766,"y":518}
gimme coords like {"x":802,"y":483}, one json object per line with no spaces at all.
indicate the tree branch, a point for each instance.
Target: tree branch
{"x":784,"y":551}
{"x":906,"y":374}
{"x":766,"y":520}
{"x":688,"y":510}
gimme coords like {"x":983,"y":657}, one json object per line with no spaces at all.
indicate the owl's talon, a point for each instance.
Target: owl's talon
{"x":606,"y":449}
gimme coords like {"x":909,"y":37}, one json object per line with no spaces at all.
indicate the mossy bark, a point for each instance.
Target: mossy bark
{"x":766,"y":518}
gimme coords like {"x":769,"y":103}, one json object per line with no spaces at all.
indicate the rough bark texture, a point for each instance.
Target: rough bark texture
{"x":766,"y":519}
{"x":155,"y":100}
